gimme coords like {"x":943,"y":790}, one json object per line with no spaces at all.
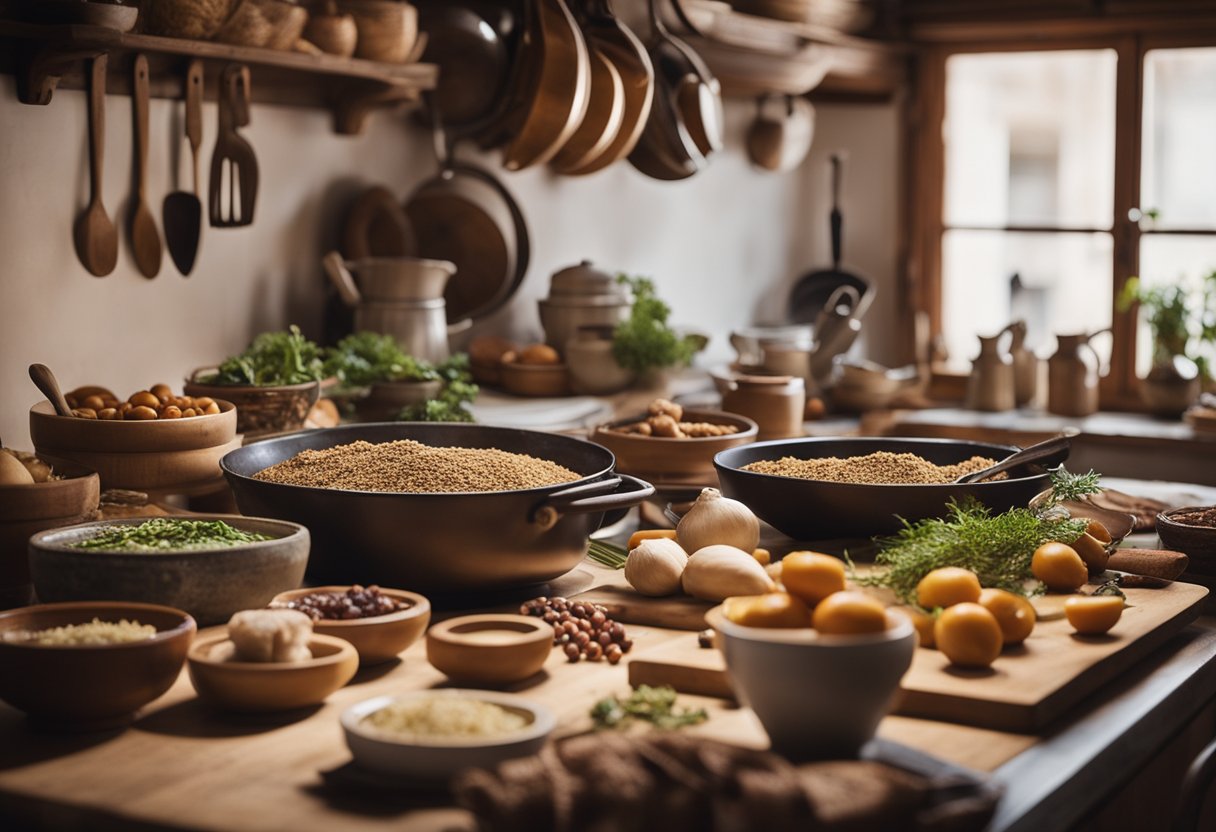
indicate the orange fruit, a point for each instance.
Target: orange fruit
{"x":1059,"y":567}
{"x":1092,"y":615}
{"x":772,"y":610}
{"x":923,"y":622}
{"x":849,"y":613}
{"x":812,"y":576}
{"x":946,"y":587}
{"x":1013,"y":613}
{"x":968,"y":635}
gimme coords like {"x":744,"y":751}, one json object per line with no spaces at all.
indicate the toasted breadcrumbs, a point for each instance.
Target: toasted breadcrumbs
{"x":881,"y":468}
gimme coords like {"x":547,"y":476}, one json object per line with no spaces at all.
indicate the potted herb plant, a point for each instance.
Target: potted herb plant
{"x":644,"y":343}
{"x":1183,"y":326}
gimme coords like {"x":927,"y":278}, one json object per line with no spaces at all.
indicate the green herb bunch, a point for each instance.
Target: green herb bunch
{"x":644,"y":341}
{"x":450,"y":406}
{"x":272,"y":359}
{"x":366,"y":358}
{"x":656,"y":705}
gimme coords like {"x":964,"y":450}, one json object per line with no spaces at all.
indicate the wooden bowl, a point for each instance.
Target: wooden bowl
{"x":660,"y":458}
{"x":1198,"y":542}
{"x":387,"y":29}
{"x":263,"y":687}
{"x":210,"y":584}
{"x":385,"y":400}
{"x":380,"y":638}
{"x":96,"y":687}
{"x":152,"y":471}
{"x":69,"y":433}
{"x":491,"y":648}
{"x":433,"y":760}
{"x":261,"y":410}
{"x":28,"y":509}
{"x":535,"y":379}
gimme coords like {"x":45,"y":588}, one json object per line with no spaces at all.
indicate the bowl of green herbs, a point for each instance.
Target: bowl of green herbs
{"x":210,"y":565}
{"x":274,"y":382}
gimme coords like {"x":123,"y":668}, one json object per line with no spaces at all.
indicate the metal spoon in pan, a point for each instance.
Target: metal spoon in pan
{"x":1050,"y":450}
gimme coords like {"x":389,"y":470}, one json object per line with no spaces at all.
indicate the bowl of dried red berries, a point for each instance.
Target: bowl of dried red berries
{"x":380,"y":623}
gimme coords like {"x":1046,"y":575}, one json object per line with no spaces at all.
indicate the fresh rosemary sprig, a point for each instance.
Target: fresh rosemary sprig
{"x":655,"y":705}
{"x":998,"y":549}
{"x":607,"y":554}
{"x":1066,"y":486}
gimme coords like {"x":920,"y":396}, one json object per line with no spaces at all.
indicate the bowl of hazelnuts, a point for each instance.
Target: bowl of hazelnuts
{"x":670,"y":445}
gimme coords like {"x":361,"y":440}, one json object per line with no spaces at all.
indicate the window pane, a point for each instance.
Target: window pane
{"x":1030,"y":138}
{"x":1178,"y":177}
{"x":1172,"y":259}
{"x":1057,"y":283}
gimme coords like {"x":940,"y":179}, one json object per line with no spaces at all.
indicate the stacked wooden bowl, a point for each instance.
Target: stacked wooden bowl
{"x":161,"y":455}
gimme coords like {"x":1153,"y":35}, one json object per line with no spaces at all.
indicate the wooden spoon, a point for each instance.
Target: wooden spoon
{"x":45,"y":381}
{"x":94,"y":233}
{"x":145,"y":239}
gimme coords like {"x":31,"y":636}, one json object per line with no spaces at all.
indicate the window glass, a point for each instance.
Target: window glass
{"x":1178,"y":173}
{"x":1184,"y":260}
{"x":1030,"y":138}
{"x":1056,"y":282}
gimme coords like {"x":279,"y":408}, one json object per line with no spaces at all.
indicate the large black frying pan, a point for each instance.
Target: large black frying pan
{"x":812,"y":292}
{"x":476,"y":542}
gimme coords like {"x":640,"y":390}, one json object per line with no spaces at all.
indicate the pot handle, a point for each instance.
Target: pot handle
{"x":589,"y":497}
{"x":459,"y":326}
{"x":344,"y":282}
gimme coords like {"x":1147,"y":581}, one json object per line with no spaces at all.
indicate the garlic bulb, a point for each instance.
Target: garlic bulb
{"x":718,"y":572}
{"x":714,"y":519}
{"x":655,"y":566}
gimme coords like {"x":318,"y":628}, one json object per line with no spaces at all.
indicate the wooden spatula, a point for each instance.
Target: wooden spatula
{"x":234,"y":169}
{"x":145,"y":239}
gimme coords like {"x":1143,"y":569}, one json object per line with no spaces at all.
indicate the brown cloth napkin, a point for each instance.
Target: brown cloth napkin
{"x":1143,"y":509}
{"x":671,"y":781}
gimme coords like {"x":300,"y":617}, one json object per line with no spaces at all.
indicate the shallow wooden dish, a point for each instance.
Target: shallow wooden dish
{"x":210,"y":584}
{"x":263,"y":687}
{"x":261,"y":410}
{"x":534,"y":379}
{"x":91,"y":688}
{"x":490,"y":648}
{"x":69,"y":433}
{"x":151,"y":471}
{"x":668,"y":459}
{"x":1198,"y":542}
{"x":434,"y":760}
{"x":380,"y":638}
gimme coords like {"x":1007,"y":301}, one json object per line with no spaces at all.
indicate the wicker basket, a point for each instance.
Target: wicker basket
{"x":195,"y":19}
{"x":273,"y":24}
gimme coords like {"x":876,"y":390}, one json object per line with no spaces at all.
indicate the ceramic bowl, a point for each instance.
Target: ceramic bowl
{"x":384,"y":401}
{"x":263,"y":687}
{"x":210,"y":584}
{"x":260,"y":410}
{"x":658,"y":458}
{"x":535,"y":379}
{"x":1198,"y":542}
{"x":28,"y":509}
{"x":433,"y":760}
{"x":95,"y":687}
{"x":379,"y":638}
{"x":490,"y":649}
{"x":817,"y":696}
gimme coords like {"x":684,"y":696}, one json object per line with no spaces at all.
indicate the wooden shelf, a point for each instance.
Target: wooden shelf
{"x":46,"y":57}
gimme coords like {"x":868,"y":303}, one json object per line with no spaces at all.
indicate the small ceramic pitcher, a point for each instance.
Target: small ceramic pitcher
{"x":1073,"y":374}
{"x":1025,"y":366}
{"x":991,"y":385}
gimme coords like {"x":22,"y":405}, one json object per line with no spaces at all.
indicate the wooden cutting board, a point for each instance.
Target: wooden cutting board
{"x":1025,"y":690}
{"x":675,"y":612}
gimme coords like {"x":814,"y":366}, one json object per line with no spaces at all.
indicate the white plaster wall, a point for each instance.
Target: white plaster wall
{"x":724,"y":246}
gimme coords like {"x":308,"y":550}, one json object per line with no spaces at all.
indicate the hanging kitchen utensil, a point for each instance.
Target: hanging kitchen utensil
{"x":464,"y":215}
{"x":234,"y":168}
{"x":602,"y":122}
{"x":781,"y":142}
{"x":813,"y":291}
{"x":376,"y":226}
{"x":555,"y":83}
{"x":183,"y":210}
{"x":145,"y":239}
{"x":94,"y":233}
{"x":45,"y":381}
{"x":470,"y":45}
{"x":622,"y":48}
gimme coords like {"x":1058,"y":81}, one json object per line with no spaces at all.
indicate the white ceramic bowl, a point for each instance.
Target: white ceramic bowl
{"x":435,"y":759}
{"x":817,"y":696}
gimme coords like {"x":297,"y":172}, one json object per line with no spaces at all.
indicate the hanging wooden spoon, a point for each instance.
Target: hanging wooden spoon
{"x":94,"y":233}
{"x":183,"y":210}
{"x":145,"y":239}
{"x":45,"y":381}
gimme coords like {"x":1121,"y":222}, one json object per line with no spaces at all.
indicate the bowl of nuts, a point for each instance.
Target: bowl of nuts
{"x":380,"y":623}
{"x":670,"y":445}
{"x":153,"y":440}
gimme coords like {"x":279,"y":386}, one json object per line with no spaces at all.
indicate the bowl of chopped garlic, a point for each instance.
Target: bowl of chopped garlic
{"x":668,"y":444}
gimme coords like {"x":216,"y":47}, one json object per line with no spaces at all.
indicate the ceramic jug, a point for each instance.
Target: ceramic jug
{"x":774,"y":403}
{"x":1025,"y":366}
{"x":991,"y":385}
{"x":1072,"y":375}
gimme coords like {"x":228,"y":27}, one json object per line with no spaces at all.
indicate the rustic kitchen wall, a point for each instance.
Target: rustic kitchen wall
{"x":724,"y":247}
